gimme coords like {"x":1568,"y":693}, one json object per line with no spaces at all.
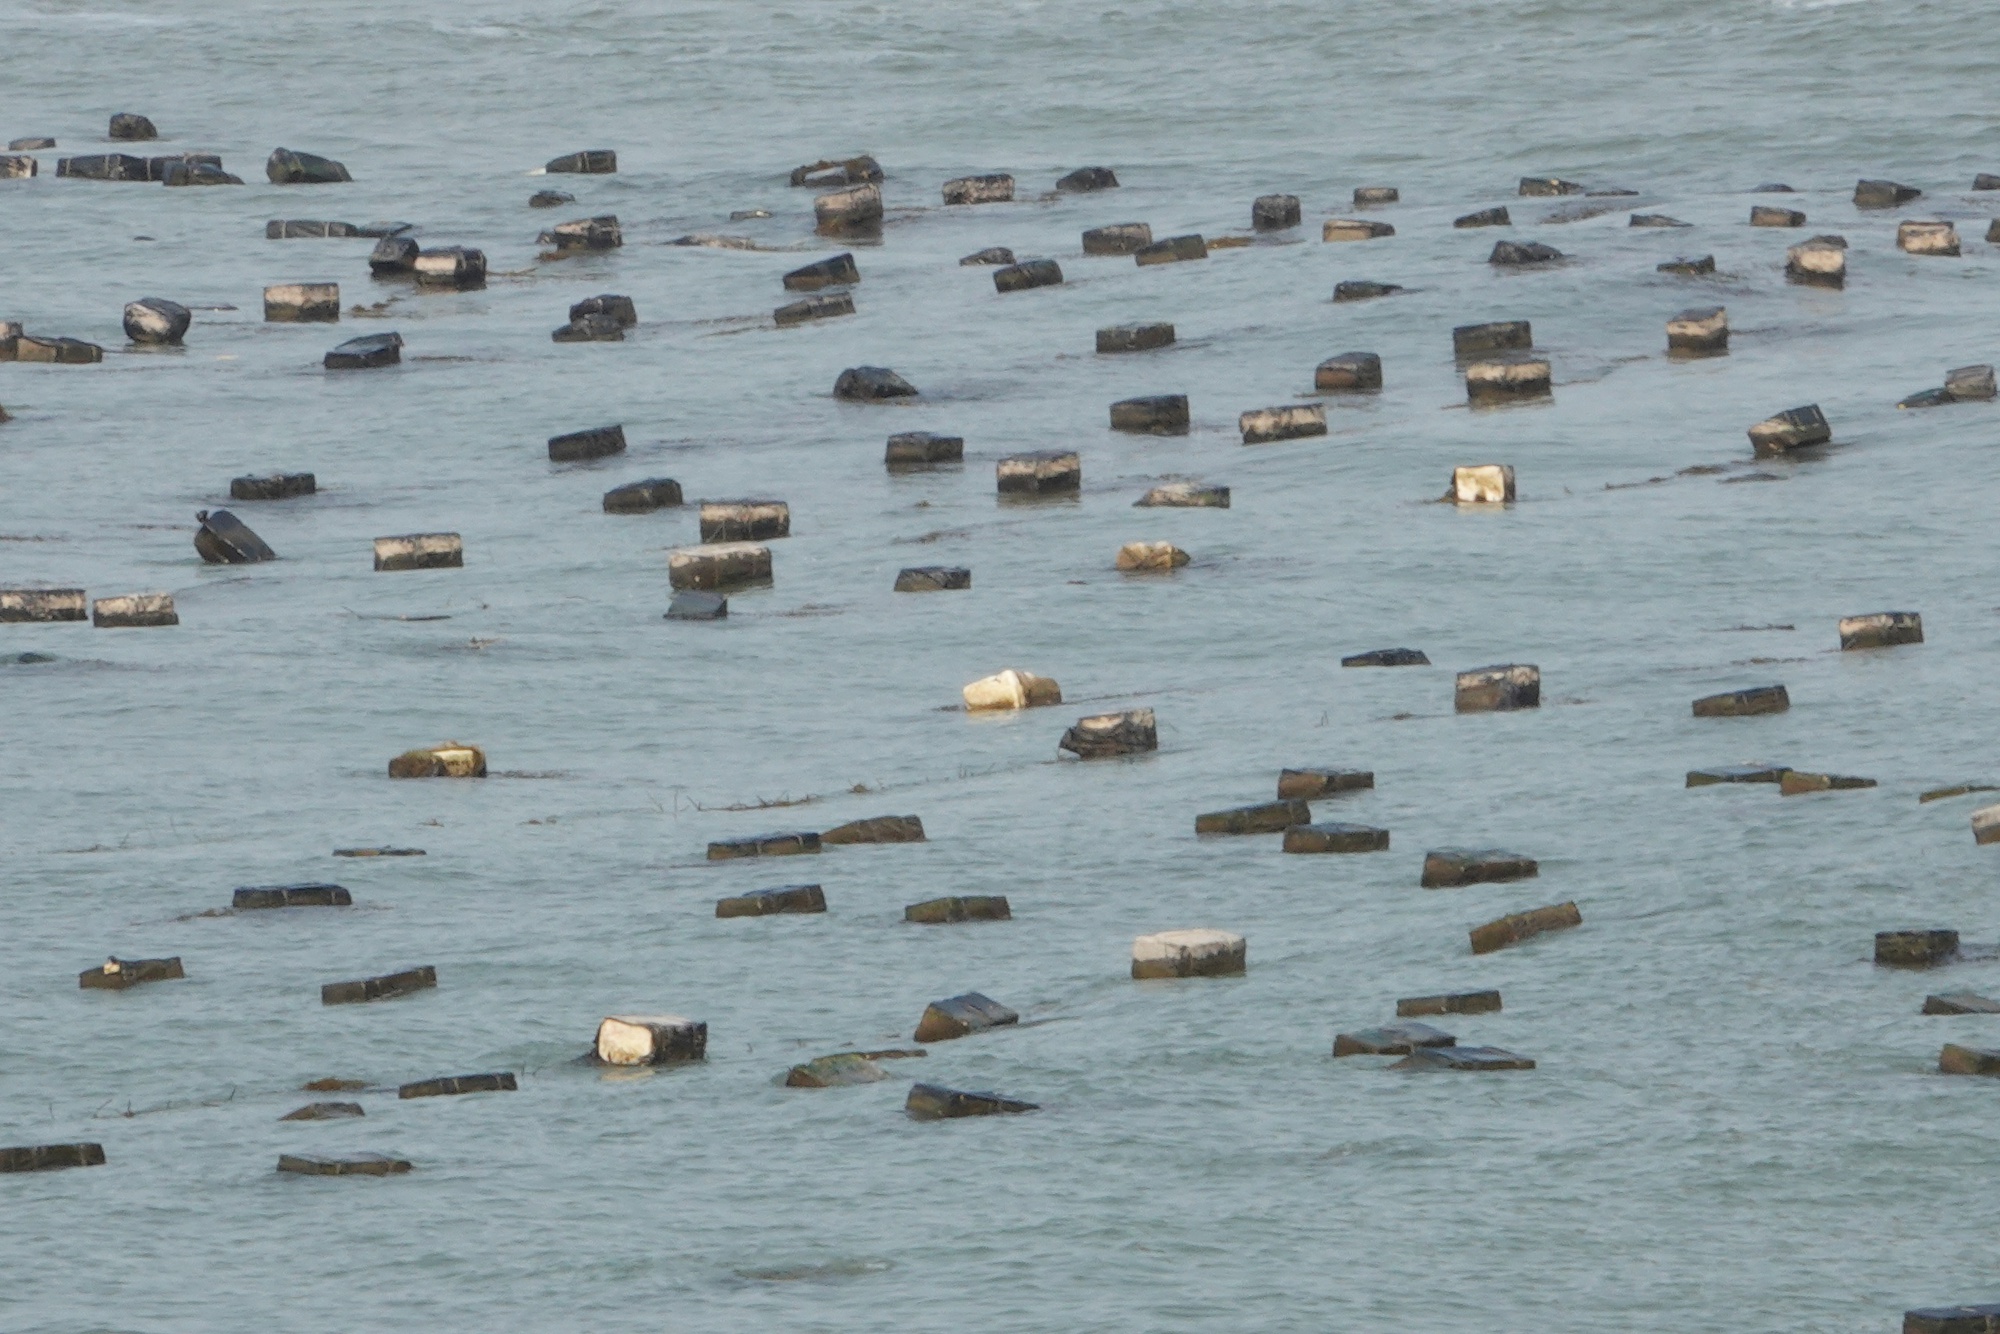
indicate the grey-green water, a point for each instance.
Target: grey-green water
{"x":1733,"y":1123}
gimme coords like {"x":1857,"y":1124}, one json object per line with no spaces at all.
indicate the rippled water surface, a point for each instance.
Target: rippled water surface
{"x":1734,"y":1122}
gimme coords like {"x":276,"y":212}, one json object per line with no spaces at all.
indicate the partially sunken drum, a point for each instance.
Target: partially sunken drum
{"x":379,"y":988}
{"x":1011,"y":689}
{"x":1309,"y":784}
{"x":1172,"y":250}
{"x":1957,"y":1060}
{"x":931,"y":1102}
{"x":277,"y":486}
{"x":969,"y":908}
{"x":1154,"y":414}
{"x":1519,"y":253}
{"x":286,"y":166}
{"x":1699,"y":331}
{"x":1270,"y":817}
{"x":1463,"y":1058}
{"x":317,"y":303}
{"x":42,"y":604}
{"x":922,"y":449}
{"x":855,"y":209}
{"x":1104,"y":735}
{"x":768,"y":902}
{"x":1290,"y":422}
{"x":595,"y":443}
{"x":871,"y":385}
{"x":1185,"y":495}
{"x":1794,"y":428}
{"x":1354,"y":229}
{"x":839,"y":270}
{"x":420,"y":551}
{"x":352,"y":1165}
{"x":1335,"y":837}
{"x":830,"y":171}
{"x":1388,"y":657}
{"x":1796,"y":782}
{"x":1482,"y":484}
{"x":1767,"y":215}
{"x":118,"y":974}
{"x":933,"y":579}
{"x":764,"y":845}
{"x":840,"y":1070}
{"x":719,"y":565}
{"x":325,"y":1111}
{"x":134,"y":609}
{"x":371,"y":350}
{"x":1820,"y":262}
{"x":453,"y":1085}
{"x":825,"y":306}
{"x":1516,"y":377}
{"x":1742,"y":703}
{"x":105,"y":167}
{"x":48,"y":1157}
{"x":1735,"y":773}
{"x":744,"y":520}
{"x":1039,"y":472}
{"x":1449,"y":868}
{"x":1960,"y":1002}
{"x":1517,"y":927}
{"x":1088,"y":178}
{"x":1119,"y":238}
{"x":1195,"y":952}
{"x":451,"y":759}
{"x":642,"y":497}
{"x":957,"y":1016}
{"x":1026,"y":275}
{"x":1350,"y":372}
{"x":1498,"y":689}
{"x":1952,"y":1319}
{"x":1469,"y":340}
{"x":1134,"y":337}
{"x":1271,"y":213}
{"x":599,"y":233}
{"x":154,"y":319}
{"x":591,"y":161}
{"x":1986,"y":825}
{"x":694,"y":605}
{"x":877,"y":829}
{"x":224,"y":539}
{"x":1915,"y":949}
{"x":995,"y":189}
{"x":291,"y":896}
{"x":650,"y":1039}
{"x":1456,"y":1002}
{"x":1927,"y":238}
{"x":450,"y":266}
{"x":1881,"y":629}
{"x":1391,"y":1040}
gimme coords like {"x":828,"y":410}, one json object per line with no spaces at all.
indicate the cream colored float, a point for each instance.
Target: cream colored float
{"x":1927,"y":238}
{"x":650,"y":1039}
{"x":452,"y":759}
{"x":1195,"y":952}
{"x":1482,"y":484}
{"x":1136,"y":557}
{"x":1011,"y":689}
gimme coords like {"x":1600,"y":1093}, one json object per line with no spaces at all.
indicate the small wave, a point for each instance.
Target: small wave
{"x":831,"y":1272}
